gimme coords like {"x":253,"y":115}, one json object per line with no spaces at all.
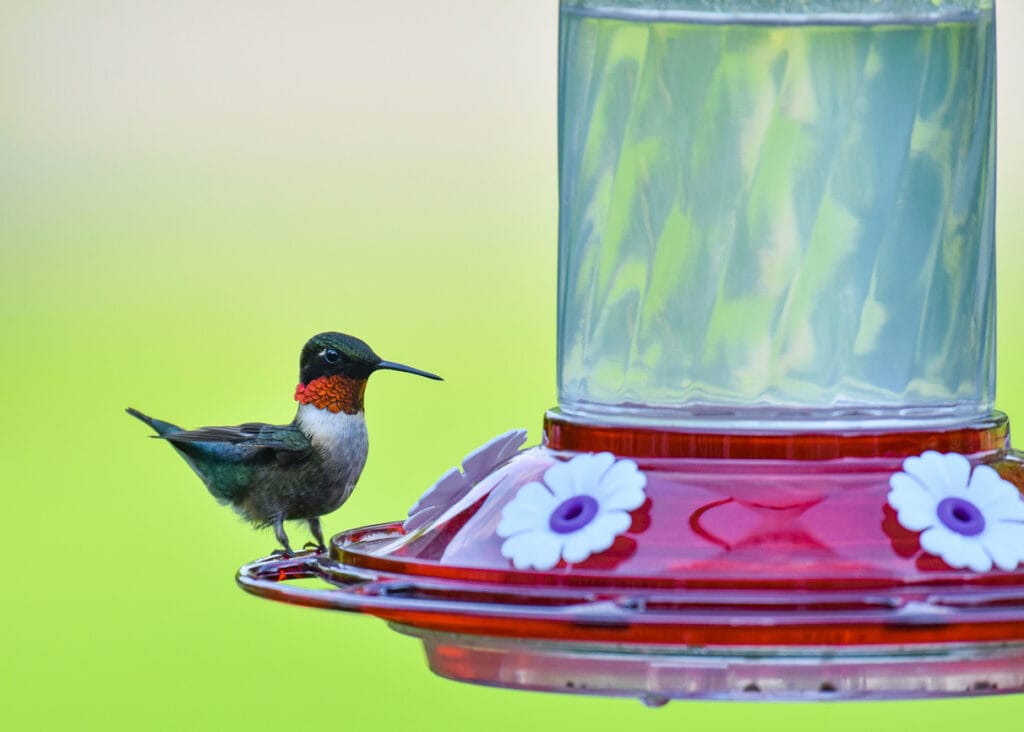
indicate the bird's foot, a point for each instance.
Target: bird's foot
{"x":315,"y":545}
{"x":287,"y":553}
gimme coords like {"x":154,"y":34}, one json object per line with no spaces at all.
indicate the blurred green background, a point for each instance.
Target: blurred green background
{"x":188,"y":191}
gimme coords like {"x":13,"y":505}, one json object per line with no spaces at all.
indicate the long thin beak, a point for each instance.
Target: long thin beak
{"x":407,"y":369}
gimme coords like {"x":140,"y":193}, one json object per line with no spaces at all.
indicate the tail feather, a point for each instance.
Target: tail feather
{"x":158,"y":425}
{"x":221,"y":465}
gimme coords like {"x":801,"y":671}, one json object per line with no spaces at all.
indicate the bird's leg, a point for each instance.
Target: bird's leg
{"x":314,"y":527}
{"x":282,"y":537}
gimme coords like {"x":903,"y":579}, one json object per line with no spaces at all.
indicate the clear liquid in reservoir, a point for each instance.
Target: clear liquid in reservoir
{"x":776,"y":222}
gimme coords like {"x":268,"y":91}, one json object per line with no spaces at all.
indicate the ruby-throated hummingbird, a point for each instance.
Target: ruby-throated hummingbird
{"x":298,"y":471}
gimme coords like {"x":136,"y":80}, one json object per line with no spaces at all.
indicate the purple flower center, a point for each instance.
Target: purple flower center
{"x":961,"y":516}
{"x":573,"y":514}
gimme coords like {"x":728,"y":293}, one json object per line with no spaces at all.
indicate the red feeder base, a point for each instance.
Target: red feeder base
{"x":760,"y":566}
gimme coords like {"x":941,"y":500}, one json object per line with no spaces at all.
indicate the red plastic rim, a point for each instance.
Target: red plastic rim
{"x":564,"y":434}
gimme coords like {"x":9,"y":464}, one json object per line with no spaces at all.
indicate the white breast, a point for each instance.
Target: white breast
{"x":339,"y":437}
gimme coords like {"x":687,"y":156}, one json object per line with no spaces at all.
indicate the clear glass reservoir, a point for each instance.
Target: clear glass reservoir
{"x":776,"y":214}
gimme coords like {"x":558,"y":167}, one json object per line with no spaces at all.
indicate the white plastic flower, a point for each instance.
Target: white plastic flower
{"x":579,"y":509}
{"x":970,"y":519}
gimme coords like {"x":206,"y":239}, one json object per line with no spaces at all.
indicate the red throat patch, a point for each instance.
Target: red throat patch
{"x":333,"y":393}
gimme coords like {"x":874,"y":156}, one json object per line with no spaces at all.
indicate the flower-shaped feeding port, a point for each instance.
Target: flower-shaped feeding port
{"x":969,"y":518}
{"x":579,"y":509}
{"x":454,"y":486}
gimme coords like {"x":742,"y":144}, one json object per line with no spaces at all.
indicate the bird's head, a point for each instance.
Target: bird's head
{"x":333,"y":369}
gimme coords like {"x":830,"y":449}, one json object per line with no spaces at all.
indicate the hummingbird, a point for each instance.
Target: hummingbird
{"x":299,"y":471}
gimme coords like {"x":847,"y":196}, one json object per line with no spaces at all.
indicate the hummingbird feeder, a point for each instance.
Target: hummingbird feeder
{"x":775,"y":471}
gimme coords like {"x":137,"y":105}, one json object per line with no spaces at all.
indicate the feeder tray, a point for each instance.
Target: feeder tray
{"x":761,"y":566}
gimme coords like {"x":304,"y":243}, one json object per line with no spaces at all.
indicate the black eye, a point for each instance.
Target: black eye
{"x":331,"y":356}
